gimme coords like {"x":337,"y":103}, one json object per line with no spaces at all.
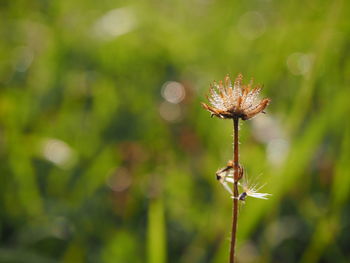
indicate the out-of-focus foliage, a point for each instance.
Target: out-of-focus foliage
{"x":107,"y":156}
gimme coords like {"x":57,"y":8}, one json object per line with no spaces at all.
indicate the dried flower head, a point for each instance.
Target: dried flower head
{"x":239,"y":101}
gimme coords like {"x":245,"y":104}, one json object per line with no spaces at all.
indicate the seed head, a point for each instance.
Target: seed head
{"x":239,"y":101}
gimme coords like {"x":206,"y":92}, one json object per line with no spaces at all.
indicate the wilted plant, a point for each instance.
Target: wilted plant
{"x":235,"y":102}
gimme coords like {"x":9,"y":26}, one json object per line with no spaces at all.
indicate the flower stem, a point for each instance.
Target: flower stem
{"x":235,"y":189}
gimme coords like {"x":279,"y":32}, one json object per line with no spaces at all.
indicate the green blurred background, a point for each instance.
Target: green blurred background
{"x":107,"y":156}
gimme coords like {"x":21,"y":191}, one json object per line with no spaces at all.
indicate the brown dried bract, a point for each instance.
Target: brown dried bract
{"x":239,"y":101}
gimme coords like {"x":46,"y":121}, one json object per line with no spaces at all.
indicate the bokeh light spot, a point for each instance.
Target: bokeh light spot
{"x":173,"y":92}
{"x":58,"y":152}
{"x":115,"y":23}
{"x":251,"y":25}
{"x":299,"y":63}
{"x":170,"y":112}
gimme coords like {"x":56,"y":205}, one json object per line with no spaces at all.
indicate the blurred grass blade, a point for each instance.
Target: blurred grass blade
{"x":156,"y":236}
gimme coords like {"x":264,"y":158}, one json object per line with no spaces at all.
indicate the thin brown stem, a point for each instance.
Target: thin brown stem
{"x":235,"y":189}
{"x":235,"y":146}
